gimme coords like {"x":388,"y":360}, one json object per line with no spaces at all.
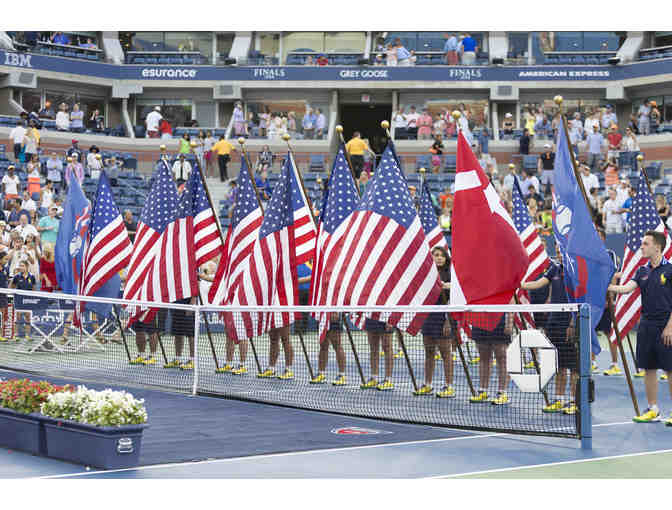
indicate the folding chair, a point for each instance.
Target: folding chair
{"x":39,"y":311}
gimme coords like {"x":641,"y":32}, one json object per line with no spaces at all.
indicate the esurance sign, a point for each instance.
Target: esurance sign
{"x":170,"y":73}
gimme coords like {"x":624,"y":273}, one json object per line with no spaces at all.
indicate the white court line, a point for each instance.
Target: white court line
{"x":310,"y":452}
{"x":551,"y":464}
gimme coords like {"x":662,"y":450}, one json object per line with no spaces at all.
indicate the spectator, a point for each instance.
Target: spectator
{"x":31,"y":143}
{"x":34,"y":180}
{"x":530,"y":180}
{"x":575,"y":132}
{"x":610,"y":169}
{"x":663,"y":208}
{"x":633,"y":124}
{"x":508,"y":125}
{"x":291,"y":123}
{"x":399,"y":120}
{"x":17,"y":137}
{"x":403,"y":55}
{"x":28,"y":204}
{"x":265,"y":160}
{"x":412,"y":123}
{"x":450,"y":50}
{"x":207,"y":152}
{"x":10,"y":184}
{"x":48,"y":228}
{"x":644,"y":113}
{"x":439,"y":127}
{"x":320,"y":125}
{"x":60,"y":38}
{"x":74,"y":149}
{"x":94,"y":162}
{"x":14,"y":213}
{"x":48,"y":270}
{"x":627,"y":206}
{"x":510,"y":178}
{"x":89,"y":44}
{"x":24,"y":228}
{"x":62,"y":119}
{"x":391,"y":55}
{"x":654,"y":117}
{"x":609,"y":118}
{"x":308,"y":124}
{"x":223,"y":150}
{"x":47,"y":196}
{"x":588,"y":178}
{"x":308,"y":61}
{"x":165,"y":129}
{"x":412,"y":59}
{"x":424,"y":124}
{"x":131,"y":226}
{"x":629,"y":143}
{"x":542,"y":127}
{"x":112,"y":169}
{"x":263,"y":185}
{"x":524,"y":142}
{"x":595,"y":140}
{"x":378,"y":60}
{"x":355,"y":148}
{"x":47,"y":112}
{"x":436,"y":149}
{"x":55,"y":171}
{"x":592,"y":121}
{"x":529,"y":120}
{"x":493,"y":175}
{"x":185,"y":144}
{"x":96,"y":122}
{"x":238,"y":120}
{"x":73,"y":169}
{"x":23,"y":280}
{"x":264,"y":119}
{"x":545,"y":164}
{"x":76,"y":119}
{"x":322,"y":60}
{"x":181,"y":170}
{"x":611,"y":214}
{"x":614,"y":138}
{"x":152,"y":122}
{"x":469,"y":47}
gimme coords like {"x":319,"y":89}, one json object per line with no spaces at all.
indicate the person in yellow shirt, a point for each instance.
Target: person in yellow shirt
{"x":223,"y":149}
{"x":356,"y":147}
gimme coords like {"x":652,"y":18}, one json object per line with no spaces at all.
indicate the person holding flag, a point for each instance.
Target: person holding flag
{"x":654,"y":335}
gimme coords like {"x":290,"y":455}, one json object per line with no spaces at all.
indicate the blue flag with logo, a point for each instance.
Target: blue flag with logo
{"x":71,"y":236}
{"x":588,"y":266}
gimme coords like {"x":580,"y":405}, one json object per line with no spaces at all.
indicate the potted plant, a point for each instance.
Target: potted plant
{"x":20,"y":423}
{"x":96,"y":428}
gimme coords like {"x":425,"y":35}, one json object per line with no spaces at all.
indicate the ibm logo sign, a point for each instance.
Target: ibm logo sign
{"x":17,"y":59}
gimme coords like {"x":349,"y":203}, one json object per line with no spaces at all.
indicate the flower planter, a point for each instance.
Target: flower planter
{"x":22,"y":431}
{"x":102,"y":447}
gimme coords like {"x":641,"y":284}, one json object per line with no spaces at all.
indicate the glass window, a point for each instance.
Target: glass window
{"x":294,"y":41}
{"x":224,"y":43}
{"x":662,"y":39}
{"x":285,"y":116}
{"x":580,"y":41}
{"x":56,"y":98}
{"x":189,"y":41}
{"x":31,"y":100}
{"x":518,"y":44}
{"x":344,"y":41}
{"x":269,"y":44}
{"x":176,"y":111}
{"x":147,"y":41}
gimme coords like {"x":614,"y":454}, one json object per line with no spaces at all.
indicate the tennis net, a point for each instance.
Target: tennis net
{"x":490,"y":368}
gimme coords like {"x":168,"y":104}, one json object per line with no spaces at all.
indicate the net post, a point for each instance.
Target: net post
{"x":585,"y":423}
{"x":197,"y":324}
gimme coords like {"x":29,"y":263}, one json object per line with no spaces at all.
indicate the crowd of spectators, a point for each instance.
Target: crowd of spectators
{"x":458,"y":50}
{"x":31,"y":39}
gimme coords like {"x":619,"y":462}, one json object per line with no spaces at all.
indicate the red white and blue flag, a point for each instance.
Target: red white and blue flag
{"x":430,"y":223}
{"x":305,"y":231}
{"x":381,"y":255}
{"x":194,"y":198}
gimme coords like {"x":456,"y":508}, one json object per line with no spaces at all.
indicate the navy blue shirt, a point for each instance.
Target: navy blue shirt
{"x":22,"y":282}
{"x":556,"y":275}
{"x":656,"y":287}
{"x":4,"y":276}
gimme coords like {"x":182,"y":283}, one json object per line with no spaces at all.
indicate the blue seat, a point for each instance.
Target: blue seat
{"x":530,"y":161}
{"x":316,"y":162}
{"x":139,"y":60}
{"x":152,"y":60}
{"x":450,"y":162}
{"x":176,"y":60}
{"x":423,"y":161}
{"x":164,"y":60}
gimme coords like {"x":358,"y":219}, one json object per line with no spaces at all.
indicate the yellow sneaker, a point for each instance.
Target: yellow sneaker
{"x":663,"y":377}
{"x":382,"y":354}
{"x":446,"y":392}
{"x":399,"y":354}
{"x":3,"y":339}
{"x":437,"y":356}
{"x":613,"y":370}
{"x":569,"y":408}
{"x":137,"y":361}
{"x":494,"y":362}
{"x":556,"y":407}
{"x":480,"y":398}
{"x":173,"y":364}
{"x":269,"y":372}
{"x":287,"y":374}
{"x":239,"y":370}
{"x":640,"y":373}
{"x":385,"y":385}
{"x":454,"y":357}
{"x":425,"y":390}
{"x":649,"y":416}
{"x":225,"y":369}
{"x":594,"y":368}
{"x":475,"y":361}
{"x":189,"y":365}
{"x":319,"y":379}
{"x":668,"y":422}
{"x":149,"y":361}
{"x":371,"y":383}
{"x":339,"y":381}
{"x":529,"y":364}
{"x":501,"y":399}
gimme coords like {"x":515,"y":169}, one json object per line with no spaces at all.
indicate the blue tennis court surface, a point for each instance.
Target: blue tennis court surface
{"x":202,"y":437}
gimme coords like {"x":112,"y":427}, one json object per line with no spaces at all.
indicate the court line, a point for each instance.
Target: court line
{"x":309,"y":452}
{"x":550,"y":464}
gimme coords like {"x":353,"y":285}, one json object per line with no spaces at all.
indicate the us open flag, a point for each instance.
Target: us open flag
{"x":269,"y":276}
{"x":383,"y":257}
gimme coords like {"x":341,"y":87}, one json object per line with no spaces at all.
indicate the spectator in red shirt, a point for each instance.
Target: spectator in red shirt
{"x":48,"y":270}
{"x":322,"y":60}
{"x":615,"y":139}
{"x":444,"y":197}
{"x":165,"y":129}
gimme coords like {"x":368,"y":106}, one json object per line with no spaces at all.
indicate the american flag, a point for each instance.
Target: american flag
{"x":163,"y":262}
{"x":643,"y":217}
{"x":382,"y":258}
{"x":244,"y":230}
{"x":206,"y":234}
{"x":340,"y":201}
{"x":108,"y":249}
{"x":304,"y":225}
{"x":430,"y":223}
{"x":535,"y":249}
{"x":269,"y":276}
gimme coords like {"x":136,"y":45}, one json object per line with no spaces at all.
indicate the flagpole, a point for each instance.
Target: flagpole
{"x":640,"y":160}
{"x":558,"y":101}
{"x":458,"y":345}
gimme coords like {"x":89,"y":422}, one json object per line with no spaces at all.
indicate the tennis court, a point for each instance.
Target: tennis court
{"x":223,"y":438}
